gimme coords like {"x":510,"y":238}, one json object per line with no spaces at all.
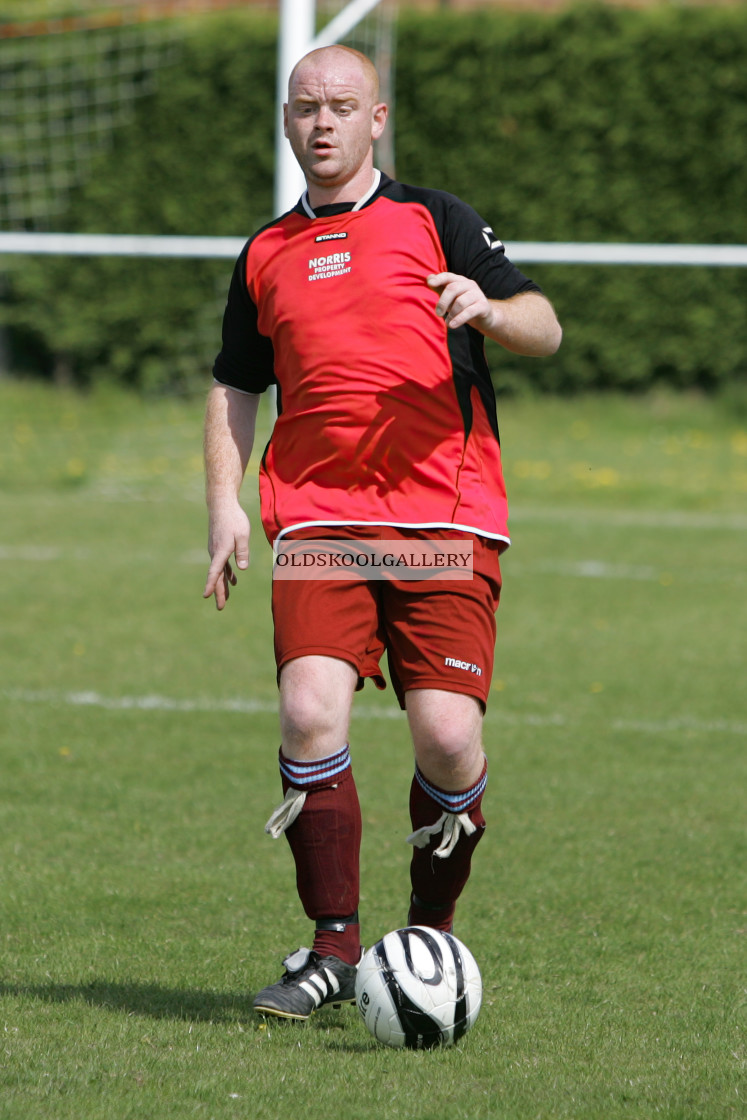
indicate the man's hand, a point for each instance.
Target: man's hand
{"x":228,"y":536}
{"x":462,"y":301}
{"x":230,"y":418}
{"x":525,"y":323}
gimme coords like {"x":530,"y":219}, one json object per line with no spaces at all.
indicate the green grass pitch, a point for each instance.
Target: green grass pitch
{"x":141,"y":904}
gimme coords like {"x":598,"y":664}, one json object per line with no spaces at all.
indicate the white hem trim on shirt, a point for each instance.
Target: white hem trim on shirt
{"x":395,"y":525}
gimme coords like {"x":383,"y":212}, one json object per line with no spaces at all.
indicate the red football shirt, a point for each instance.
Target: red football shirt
{"x":386,"y":417}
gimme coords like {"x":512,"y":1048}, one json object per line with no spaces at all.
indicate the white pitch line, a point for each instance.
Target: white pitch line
{"x":46,"y":555}
{"x":30,"y":552}
{"x":248,"y":706}
{"x":628,"y":573}
{"x":683,"y":723}
{"x":154,"y":703}
{"x":90,"y":699}
{"x":575,"y":569}
{"x":240,"y":706}
{"x":640,"y":519}
{"x":596,"y":569}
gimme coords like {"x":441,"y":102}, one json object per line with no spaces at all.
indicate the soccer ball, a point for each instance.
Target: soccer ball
{"x":418,"y":988}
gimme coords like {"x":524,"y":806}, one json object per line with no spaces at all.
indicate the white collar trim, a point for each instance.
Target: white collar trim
{"x":359,"y":204}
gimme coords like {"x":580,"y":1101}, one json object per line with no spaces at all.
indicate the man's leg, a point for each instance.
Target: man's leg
{"x":316,"y":695}
{"x":445,"y":799}
{"x":321,"y":819}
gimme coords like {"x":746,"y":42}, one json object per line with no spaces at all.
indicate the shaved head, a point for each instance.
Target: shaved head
{"x":330,"y":56}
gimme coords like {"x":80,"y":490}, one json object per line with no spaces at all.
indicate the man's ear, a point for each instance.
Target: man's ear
{"x":379,"y":115}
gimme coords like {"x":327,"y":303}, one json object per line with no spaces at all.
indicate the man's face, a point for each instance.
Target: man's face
{"x":331,"y":118}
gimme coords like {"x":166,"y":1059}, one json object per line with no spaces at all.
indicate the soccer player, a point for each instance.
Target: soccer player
{"x":366,"y":305}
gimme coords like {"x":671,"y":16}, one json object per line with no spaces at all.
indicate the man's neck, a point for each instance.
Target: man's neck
{"x":350,"y":192}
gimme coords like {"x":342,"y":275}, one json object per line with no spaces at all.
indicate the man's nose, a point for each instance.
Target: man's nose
{"x":324,"y":117}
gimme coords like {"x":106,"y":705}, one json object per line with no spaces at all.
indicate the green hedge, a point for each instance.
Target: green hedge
{"x":600,"y":124}
{"x":594,"y":124}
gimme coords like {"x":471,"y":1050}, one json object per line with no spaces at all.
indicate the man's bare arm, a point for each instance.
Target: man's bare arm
{"x":525,"y":324}
{"x":230,"y":420}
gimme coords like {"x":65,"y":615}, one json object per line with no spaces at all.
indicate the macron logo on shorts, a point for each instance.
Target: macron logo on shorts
{"x":468,"y":666}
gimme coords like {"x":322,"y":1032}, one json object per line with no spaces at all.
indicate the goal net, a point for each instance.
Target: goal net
{"x":70,"y":78}
{"x":66,"y":84}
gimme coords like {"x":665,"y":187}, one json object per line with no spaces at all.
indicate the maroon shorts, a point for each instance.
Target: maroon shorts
{"x":437,"y":633}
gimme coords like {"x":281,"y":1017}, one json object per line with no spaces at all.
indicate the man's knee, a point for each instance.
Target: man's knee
{"x":304,"y":719}
{"x":446,"y":730}
{"x":449,"y":723}
{"x":315,"y":699}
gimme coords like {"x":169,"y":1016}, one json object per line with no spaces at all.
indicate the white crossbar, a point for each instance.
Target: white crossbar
{"x":530,"y":252}
{"x":120,"y":245}
{"x":578,"y":252}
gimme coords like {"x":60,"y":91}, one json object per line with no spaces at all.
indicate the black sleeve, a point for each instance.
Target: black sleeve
{"x":473,"y":250}
{"x":246,"y":360}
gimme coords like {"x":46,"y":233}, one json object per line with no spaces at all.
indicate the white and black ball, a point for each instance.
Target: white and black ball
{"x":418,"y":988}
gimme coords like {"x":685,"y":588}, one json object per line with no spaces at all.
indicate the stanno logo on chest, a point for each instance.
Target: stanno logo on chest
{"x":329,"y":265}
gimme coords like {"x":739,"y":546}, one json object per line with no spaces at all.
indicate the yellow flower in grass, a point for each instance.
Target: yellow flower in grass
{"x":739,"y":443}
{"x":698,"y":440}
{"x":606,"y":476}
{"x":532,"y":468}
{"x":75,"y":468}
{"x":595,"y":477}
{"x":23,"y":433}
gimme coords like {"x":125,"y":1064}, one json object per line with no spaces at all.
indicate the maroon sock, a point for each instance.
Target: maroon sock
{"x":325,"y":841}
{"x":438,"y":882}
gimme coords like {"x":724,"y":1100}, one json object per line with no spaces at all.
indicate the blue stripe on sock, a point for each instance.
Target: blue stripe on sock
{"x":454,"y":802}
{"x":301,"y":774}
